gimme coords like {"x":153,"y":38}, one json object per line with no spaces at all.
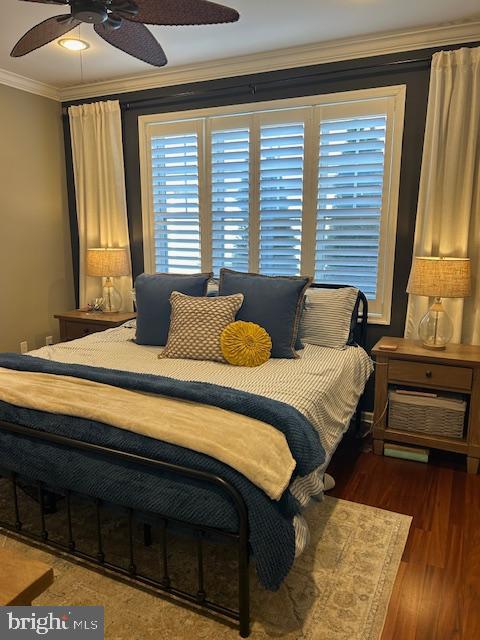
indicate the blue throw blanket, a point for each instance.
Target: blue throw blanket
{"x":272,"y":536}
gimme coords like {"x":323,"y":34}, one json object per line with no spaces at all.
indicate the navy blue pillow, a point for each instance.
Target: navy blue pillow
{"x":273,"y":302}
{"x":152,"y":293}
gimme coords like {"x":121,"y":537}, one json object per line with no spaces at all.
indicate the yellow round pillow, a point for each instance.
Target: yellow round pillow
{"x":245,"y":344}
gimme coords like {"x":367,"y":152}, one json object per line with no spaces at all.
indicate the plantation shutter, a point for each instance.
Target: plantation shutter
{"x":349,"y":206}
{"x":281,"y":197}
{"x":230,"y":197}
{"x":175,"y":194}
{"x":305,"y":186}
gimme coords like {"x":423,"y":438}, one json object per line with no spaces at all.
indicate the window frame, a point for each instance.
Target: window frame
{"x":310,"y":110}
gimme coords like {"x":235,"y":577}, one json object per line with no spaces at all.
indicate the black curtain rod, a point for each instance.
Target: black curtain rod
{"x":253,"y":87}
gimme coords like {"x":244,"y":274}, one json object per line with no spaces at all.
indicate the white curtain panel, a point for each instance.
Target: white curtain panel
{"x":96,"y":132}
{"x":448,"y":214}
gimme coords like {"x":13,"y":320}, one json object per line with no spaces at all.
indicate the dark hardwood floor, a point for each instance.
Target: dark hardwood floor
{"x":437,"y":591}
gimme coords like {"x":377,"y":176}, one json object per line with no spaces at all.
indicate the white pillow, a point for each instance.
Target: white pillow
{"x":327,"y":316}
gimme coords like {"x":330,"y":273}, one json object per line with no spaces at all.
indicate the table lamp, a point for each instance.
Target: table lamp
{"x":438,"y":278}
{"x":109,"y":263}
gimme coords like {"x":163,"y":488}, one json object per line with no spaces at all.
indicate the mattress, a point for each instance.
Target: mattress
{"x":324,"y":384}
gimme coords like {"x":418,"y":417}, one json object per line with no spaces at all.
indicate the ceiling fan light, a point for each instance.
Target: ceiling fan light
{"x":73,"y":44}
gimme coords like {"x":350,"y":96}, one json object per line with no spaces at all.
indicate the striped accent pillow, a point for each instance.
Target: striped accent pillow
{"x":327,"y":316}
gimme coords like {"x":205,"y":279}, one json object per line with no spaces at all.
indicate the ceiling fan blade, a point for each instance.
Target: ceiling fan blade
{"x":44,"y":33}
{"x":136,"y":40}
{"x":180,"y":12}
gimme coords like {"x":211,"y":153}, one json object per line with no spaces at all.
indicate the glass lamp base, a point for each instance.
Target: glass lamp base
{"x":434,"y":347}
{"x":112,"y":298}
{"x":435,"y":329}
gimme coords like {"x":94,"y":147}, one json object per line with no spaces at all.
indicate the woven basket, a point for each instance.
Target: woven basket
{"x":441,"y":416}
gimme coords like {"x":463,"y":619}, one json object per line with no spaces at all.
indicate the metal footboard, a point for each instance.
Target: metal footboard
{"x":164,"y":584}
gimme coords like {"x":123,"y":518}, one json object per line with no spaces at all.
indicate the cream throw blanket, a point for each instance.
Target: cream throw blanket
{"x":253,"y":448}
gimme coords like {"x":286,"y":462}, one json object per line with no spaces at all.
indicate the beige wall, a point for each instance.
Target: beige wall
{"x":35,"y":258}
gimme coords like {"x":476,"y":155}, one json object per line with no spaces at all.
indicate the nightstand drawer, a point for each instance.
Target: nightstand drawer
{"x":430,"y":375}
{"x":78,"y":324}
{"x":74,"y":330}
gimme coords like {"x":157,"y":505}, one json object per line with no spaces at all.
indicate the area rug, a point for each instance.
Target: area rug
{"x":338,"y":589}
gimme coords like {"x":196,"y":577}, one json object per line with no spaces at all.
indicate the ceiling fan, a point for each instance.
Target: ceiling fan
{"x":121,"y":23}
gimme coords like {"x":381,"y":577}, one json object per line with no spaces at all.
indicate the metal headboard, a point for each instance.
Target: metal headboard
{"x":360,"y":312}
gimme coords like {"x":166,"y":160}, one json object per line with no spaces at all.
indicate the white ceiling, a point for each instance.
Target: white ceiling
{"x":264,"y":25}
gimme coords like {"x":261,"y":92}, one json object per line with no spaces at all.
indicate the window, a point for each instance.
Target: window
{"x":175,"y":199}
{"x":281,"y":197}
{"x":230,"y":197}
{"x":304,"y":186}
{"x":349,"y":204}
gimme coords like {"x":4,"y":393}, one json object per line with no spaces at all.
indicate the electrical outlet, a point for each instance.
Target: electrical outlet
{"x":23,"y":346}
{"x":49,"y":340}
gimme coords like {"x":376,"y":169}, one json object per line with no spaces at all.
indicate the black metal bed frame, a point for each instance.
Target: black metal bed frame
{"x":163,"y":585}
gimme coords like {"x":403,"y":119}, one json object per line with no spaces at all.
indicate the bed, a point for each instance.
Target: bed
{"x":316,"y":396}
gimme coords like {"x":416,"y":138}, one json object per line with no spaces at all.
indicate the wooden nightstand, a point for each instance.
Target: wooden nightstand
{"x":456,"y":369}
{"x":78,"y":324}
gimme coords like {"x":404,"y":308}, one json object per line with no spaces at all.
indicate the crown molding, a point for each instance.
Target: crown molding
{"x":27,"y":84}
{"x":330,"y":51}
{"x":303,"y":56}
